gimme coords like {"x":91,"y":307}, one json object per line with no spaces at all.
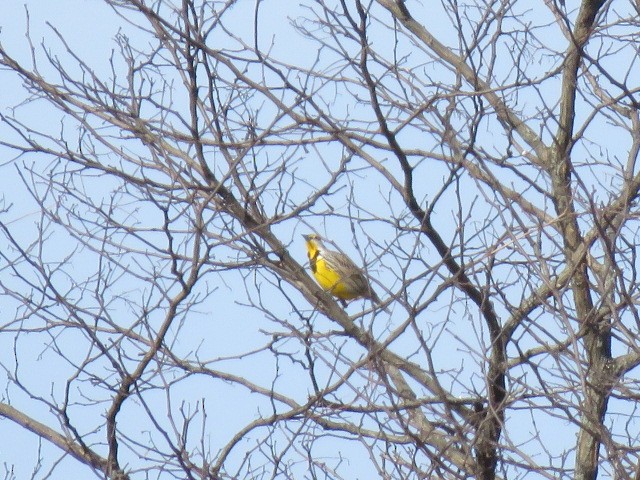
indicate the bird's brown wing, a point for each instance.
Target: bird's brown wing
{"x":350,"y":274}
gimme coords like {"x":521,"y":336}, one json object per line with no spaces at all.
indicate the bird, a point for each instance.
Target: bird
{"x":337,"y":273}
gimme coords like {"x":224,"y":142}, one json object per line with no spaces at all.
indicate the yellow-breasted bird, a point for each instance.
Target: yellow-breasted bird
{"x":336,"y":273}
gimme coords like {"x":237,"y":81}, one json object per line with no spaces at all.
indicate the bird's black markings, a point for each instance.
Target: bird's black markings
{"x":312,"y":261}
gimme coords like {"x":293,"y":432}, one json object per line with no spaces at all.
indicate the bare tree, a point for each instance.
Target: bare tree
{"x":479,"y":160}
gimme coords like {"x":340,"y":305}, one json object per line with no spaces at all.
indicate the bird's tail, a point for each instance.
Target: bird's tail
{"x":373,"y":296}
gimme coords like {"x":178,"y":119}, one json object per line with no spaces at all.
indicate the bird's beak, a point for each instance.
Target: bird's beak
{"x":306,"y":237}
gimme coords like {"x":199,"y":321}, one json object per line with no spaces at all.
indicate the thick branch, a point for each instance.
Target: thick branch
{"x":79,"y":452}
{"x":597,"y":338}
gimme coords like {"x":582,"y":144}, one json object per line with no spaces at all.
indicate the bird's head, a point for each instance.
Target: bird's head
{"x":313,"y":240}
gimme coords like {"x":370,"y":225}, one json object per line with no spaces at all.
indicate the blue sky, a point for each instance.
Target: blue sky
{"x":220,"y":332}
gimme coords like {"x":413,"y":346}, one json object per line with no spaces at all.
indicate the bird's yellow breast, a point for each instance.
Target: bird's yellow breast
{"x":327,"y":277}
{"x":336,"y":273}
{"x":330,"y":280}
